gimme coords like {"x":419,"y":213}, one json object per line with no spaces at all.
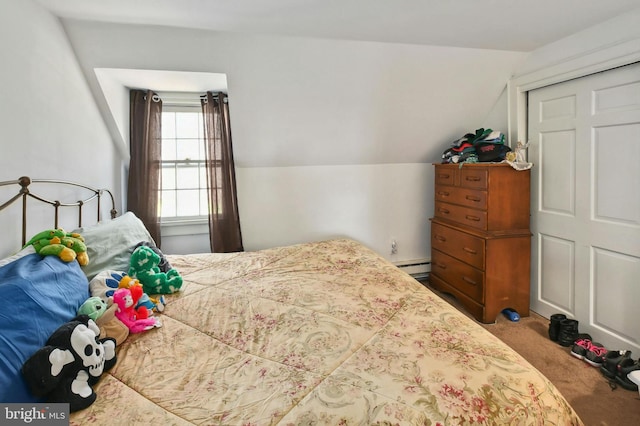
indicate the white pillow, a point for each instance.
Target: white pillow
{"x":25,"y":251}
{"x":110,"y":244}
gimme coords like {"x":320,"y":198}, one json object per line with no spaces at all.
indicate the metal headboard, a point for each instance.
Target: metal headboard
{"x":24,"y":193}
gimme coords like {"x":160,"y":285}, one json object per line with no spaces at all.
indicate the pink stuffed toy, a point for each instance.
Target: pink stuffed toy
{"x":127,"y":314}
{"x":141,"y":312}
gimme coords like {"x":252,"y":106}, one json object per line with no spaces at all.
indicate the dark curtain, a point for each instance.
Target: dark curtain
{"x":144,"y":166}
{"x":224,"y":220}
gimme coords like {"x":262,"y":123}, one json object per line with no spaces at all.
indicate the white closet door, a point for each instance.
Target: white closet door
{"x":585,"y":145}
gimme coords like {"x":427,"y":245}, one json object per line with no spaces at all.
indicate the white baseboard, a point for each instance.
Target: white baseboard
{"x":416,"y":267}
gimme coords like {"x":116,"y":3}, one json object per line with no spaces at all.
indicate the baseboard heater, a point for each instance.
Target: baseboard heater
{"x":417,"y":268}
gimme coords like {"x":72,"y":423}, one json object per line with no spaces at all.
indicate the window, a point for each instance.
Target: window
{"x":184,"y":177}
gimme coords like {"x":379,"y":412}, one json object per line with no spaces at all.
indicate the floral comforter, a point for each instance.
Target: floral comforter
{"x":314,"y":334}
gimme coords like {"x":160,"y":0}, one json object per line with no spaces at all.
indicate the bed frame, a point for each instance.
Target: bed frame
{"x":25,"y":192}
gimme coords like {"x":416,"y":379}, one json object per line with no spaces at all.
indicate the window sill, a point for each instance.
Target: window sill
{"x":175,"y":228}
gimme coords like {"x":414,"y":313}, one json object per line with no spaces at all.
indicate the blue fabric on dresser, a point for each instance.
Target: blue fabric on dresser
{"x":37,"y":295}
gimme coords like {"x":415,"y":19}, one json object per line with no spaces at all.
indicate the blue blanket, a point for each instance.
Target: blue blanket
{"x":38,"y":295}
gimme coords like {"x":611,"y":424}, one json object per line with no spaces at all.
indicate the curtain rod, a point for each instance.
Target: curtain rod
{"x":183,"y":98}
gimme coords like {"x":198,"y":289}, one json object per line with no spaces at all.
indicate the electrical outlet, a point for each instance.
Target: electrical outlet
{"x":394,"y":247}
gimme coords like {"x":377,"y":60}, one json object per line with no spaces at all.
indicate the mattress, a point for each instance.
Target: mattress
{"x":318,"y":333}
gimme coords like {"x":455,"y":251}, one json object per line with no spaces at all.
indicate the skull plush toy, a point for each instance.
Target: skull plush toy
{"x":70,"y":363}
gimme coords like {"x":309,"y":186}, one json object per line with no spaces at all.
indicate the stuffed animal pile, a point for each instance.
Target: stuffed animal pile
{"x":79,"y":351}
{"x":70,"y":363}
{"x":132,"y":309}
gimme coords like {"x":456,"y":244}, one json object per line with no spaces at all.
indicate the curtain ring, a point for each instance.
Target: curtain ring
{"x":155,"y":98}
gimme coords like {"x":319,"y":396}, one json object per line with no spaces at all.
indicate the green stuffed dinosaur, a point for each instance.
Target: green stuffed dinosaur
{"x":143,"y":265}
{"x":57,"y":242}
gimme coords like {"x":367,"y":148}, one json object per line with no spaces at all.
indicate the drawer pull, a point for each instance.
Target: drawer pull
{"x":473,"y":178}
{"x":473,"y":218}
{"x":470,"y":251}
{"x":443,"y":193}
{"x":441,"y":265}
{"x":469,"y":280}
{"x":473,"y":198}
{"x":444,"y":211}
{"x":443,"y":176}
{"x":440,"y":238}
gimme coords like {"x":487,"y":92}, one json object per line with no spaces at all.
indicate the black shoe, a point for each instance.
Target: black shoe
{"x":568,"y":332}
{"x":554,"y":326}
{"x":626,"y":366}
{"x":609,"y":367}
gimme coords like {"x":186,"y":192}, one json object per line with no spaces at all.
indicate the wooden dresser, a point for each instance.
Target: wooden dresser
{"x":480,"y":237}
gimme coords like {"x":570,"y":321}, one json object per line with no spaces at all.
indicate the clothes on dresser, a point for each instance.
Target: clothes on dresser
{"x":485,"y":146}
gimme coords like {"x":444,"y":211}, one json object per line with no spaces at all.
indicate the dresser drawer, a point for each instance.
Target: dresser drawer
{"x":458,"y":244}
{"x":445,"y":176}
{"x":473,"y":178}
{"x":463,"y":215}
{"x":462,"y":196}
{"x":463,"y":277}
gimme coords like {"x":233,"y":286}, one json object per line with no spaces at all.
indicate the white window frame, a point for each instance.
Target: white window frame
{"x":183,"y":225}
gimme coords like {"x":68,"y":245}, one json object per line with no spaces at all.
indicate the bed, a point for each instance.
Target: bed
{"x":324,"y":332}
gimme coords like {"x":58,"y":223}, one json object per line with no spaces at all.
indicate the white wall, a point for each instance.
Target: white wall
{"x":330,"y":137}
{"x":315,"y":102}
{"x":51,"y":127}
{"x":614,"y":35}
{"x":372,"y":203}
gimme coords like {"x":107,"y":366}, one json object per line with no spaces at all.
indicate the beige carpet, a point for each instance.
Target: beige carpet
{"x":584,"y":387}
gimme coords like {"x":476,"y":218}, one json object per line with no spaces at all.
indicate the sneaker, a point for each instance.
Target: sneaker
{"x":625,"y":367}
{"x":590,"y":352}
{"x":609,"y":367}
{"x":595,"y":354}
{"x":554,"y":325}
{"x":580,"y":348}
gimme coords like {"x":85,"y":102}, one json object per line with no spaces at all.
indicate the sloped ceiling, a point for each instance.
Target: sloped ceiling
{"x":115,"y":83}
{"x":519,"y":25}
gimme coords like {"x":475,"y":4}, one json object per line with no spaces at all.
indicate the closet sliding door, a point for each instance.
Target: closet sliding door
{"x":585,"y":143}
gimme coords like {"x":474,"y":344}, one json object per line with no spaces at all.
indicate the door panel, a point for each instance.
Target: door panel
{"x":617,"y":156}
{"x":611,"y":270}
{"x":556,"y":265}
{"x":617,"y":98}
{"x":559,"y":108}
{"x":585,"y":146}
{"x":558,"y":180}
